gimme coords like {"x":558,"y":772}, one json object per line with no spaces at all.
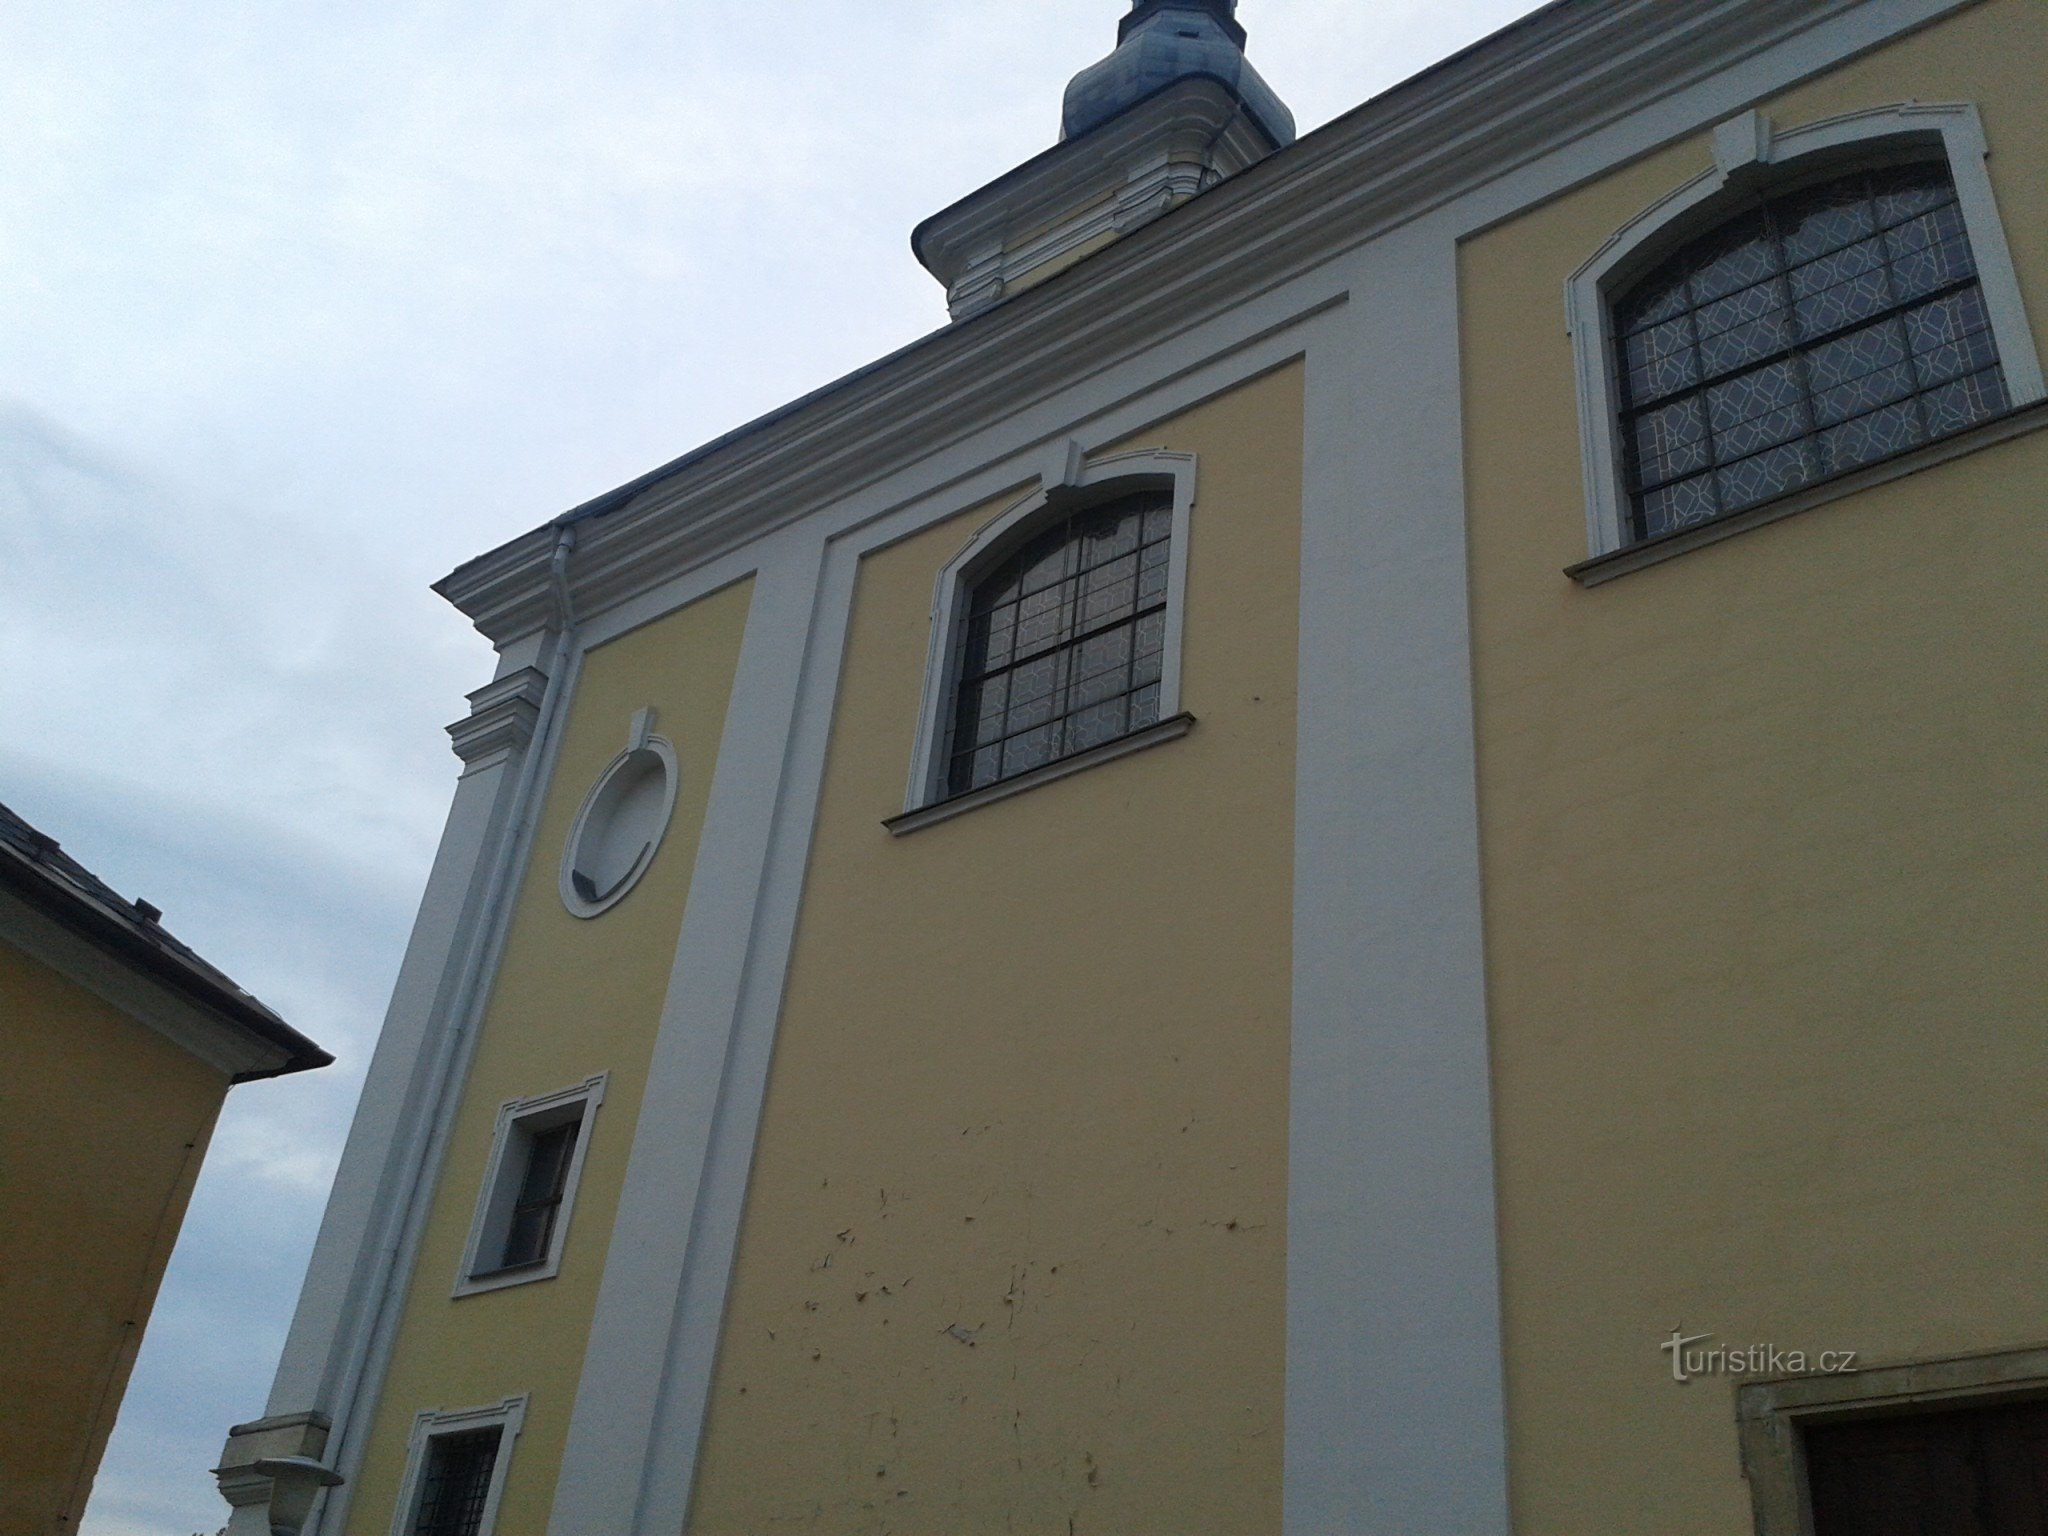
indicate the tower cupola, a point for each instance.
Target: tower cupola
{"x":1176,"y":108}
{"x":1162,"y":41}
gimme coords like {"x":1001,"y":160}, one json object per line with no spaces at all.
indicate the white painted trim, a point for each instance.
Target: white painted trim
{"x":1747,"y":150}
{"x":641,"y":742}
{"x":1081,"y":485}
{"x":432,"y":1424}
{"x":1395,"y":1418}
{"x":501,"y":1181}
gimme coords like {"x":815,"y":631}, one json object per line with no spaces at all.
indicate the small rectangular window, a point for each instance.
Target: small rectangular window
{"x":547,"y":1155}
{"x":455,"y":1467}
{"x":457,"y":1483}
{"x":529,"y":1189}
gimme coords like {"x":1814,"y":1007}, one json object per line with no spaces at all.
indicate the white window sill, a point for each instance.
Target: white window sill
{"x":2015,"y":423}
{"x":1170,"y":729}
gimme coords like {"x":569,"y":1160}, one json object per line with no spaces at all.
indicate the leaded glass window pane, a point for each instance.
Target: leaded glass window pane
{"x":1821,"y":330}
{"x":1064,"y":643}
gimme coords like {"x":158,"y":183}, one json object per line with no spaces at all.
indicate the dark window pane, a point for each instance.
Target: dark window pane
{"x":1904,"y":191}
{"x":1739,"y":253}
{"x":1145,"y":707}
{"x":1826,"y":218}
{"x":1865,"y":439}
{"x":1672,"y":507}
{"x":1821,"y":330}
{"x":1860,"y":290}
{"x":542,"y":1184}
{"x":456,"y":1483}
{"x":1664,"y":296}
{"x":1030,"y":749}
{"x":1671,"y":441}
{"x":1764,"y":475}
{"x":1743,"y":328}
{"x":1098,"y":723}
{"x":1755,"y":410}
{"x":1052,"y":667}
{"x":1951,"y":407}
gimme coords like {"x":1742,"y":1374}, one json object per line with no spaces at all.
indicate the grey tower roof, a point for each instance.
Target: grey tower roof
{"x":1162,"y":41}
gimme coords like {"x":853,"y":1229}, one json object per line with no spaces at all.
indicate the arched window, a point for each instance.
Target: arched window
{"x":1064,"y":645}
{"x":1812,"y":333}
{"x":1056,"y":633}
{"x":1824,"y":298}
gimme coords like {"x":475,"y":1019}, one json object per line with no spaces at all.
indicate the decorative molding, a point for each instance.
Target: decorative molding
{"x":1746,"y":149}
{"x":501,"y":1183}
{"x":1542,"y":83}
{"x":1081,"y":482}
{"x":1634,"y":557}
{"x":508,"y":1416}
{"x":1170,"y":729}
{"x":503,"y":716}
{"x":641,"y":744}
{"x":1769,"y":1415}
{"x":287,"y":1434}
{"x":1069,"y":201}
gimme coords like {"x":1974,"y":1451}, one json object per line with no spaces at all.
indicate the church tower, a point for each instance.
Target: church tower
{"x":1176,"y":108}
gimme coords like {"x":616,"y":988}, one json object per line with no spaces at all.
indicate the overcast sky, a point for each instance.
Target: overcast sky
{"x":306,"y":303}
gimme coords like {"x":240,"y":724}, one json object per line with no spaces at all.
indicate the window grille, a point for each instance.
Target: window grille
{"x":457,"y":1484}
{"x":1065,"y":643}
{"x":1826,"y":328}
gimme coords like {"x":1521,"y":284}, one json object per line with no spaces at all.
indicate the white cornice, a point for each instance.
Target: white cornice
{"x":1554,"y":77}
{"x":501,"y":720}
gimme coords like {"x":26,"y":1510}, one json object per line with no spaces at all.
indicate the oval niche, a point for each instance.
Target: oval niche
{"x":619,"y":828}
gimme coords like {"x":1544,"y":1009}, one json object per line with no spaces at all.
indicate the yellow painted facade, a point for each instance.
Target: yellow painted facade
{"x":1026,"y":1135}
{"x":103,"y":1124}
{"x":573,"y":999}
{"x":1763,"y":837}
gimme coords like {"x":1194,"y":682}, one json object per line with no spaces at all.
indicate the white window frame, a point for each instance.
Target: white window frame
{"x":517,"y":1120}
{"x":1076,"y":482}
{"x":432,"y":1424}
{"x":1748,"y":152}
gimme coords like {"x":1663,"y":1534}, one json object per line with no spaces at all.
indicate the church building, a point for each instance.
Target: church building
{"x":1363,"y":859}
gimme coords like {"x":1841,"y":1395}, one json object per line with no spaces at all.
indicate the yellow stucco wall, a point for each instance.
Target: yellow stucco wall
{"x":574,"y":998}
{"x":1764,"y":832}
{"x":1025,"y":1139}
{"x":103,"y":1123}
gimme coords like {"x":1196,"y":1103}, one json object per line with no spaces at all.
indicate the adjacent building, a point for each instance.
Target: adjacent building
{"x":1362,"y":858}
{"x":121,"y":1045}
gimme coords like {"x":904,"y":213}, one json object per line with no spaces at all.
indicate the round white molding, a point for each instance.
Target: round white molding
{"x":620,"y":827}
